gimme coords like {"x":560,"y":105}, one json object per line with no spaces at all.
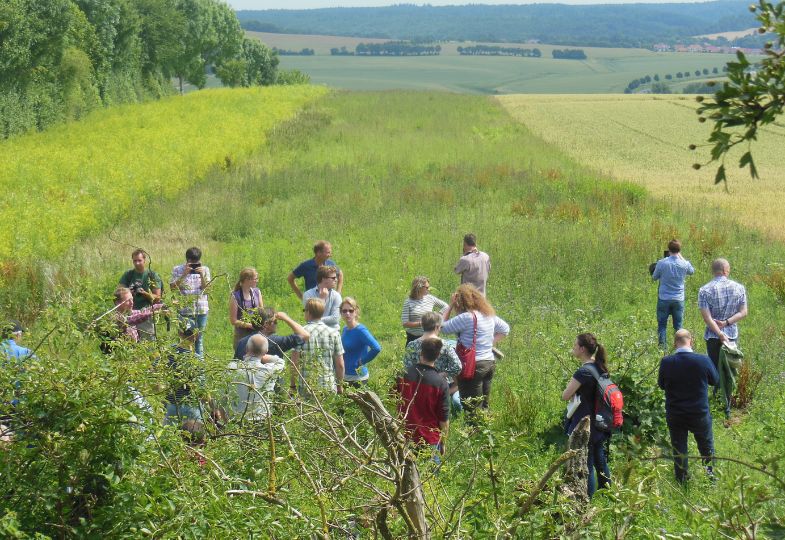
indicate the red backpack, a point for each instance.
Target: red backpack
{"x":608,"y":402}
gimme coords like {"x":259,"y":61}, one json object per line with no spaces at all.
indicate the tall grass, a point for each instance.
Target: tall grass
{"x":394,"y":180}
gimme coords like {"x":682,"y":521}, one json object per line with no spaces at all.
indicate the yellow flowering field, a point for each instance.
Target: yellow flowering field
{"x":645,"y":139}
{"x":79,"y":177}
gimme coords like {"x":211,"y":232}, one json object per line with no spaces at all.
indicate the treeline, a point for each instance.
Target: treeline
{"x":658,"y":85}
{"x":302,"y":52}
{"x":569,"y":54}
{"x":397,"y":48}
{"x":623,"y":25}
{"x":60,"y":59}
{"x":496,"y":50}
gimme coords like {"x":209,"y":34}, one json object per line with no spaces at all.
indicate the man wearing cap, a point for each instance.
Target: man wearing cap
{"x":10,"y":348}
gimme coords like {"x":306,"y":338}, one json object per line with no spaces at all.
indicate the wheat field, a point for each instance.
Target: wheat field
{"x":645,"y":139}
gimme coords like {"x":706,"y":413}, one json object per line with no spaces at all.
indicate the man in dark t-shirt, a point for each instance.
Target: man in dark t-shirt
{"x":277,"y":345}
{"x":322,"y":251}
{"x":425,"y":399}
{"x":685,"y":376}
{"x":146,"y":286}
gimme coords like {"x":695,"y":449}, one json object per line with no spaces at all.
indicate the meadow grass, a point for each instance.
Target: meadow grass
{"x":645,"y":139}
{"x":81,"y":177}
{"x":394,"y":179}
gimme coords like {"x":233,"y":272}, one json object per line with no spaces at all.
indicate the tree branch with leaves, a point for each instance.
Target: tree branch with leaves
{"x":752,"y":97}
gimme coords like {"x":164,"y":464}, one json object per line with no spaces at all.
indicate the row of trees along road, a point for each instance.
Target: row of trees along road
{"x":59,"y":59}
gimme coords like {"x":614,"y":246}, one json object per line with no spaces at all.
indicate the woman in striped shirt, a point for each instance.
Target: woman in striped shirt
{"x":420,"y":301}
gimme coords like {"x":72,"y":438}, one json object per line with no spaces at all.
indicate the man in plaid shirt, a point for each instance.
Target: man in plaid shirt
{"x":723,"y":303}
{"x":190,"y":280}
{"x":321,"y":355}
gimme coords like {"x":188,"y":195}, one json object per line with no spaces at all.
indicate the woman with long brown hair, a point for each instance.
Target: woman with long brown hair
{"x":246,"y":300}
{"x":476,"y":323}
{"x":584,"y":383}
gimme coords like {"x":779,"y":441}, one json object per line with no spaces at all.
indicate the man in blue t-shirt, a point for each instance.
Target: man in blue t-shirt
{"x":322,"y":251}
{"x":671,"y":272}
{"x":685,"y":377}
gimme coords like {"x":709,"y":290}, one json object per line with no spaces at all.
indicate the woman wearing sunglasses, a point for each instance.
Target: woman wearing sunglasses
{"x":359,"y":345}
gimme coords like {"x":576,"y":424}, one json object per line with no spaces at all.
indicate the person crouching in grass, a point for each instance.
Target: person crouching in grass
{"x":425,"y":400}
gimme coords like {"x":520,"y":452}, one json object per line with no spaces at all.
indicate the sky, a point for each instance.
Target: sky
{"x":309,"y":4}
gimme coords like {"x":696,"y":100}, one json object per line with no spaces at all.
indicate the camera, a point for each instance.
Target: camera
{"x":193,"y":267}
{"x":136,"y":287}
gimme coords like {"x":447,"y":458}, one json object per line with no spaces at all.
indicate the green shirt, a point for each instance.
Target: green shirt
{"x":144,"y":280}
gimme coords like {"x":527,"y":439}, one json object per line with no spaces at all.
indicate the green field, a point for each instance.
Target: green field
{"x":393,"y":179}
{"x":605,"y":70}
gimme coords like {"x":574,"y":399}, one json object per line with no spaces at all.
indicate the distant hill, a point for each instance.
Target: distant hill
{"x":630,"y":25}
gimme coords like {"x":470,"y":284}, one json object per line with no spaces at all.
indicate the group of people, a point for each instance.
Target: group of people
{"x":323,"y":356}
{"x":438,"y":375}
{"x":684,"y":375}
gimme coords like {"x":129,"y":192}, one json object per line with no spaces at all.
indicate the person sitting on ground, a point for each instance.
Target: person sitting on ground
{"x":685,"y":377}
{"x":145,"y":286}
{"x":359,"y":345}
{"x":322,"y":251}
{"x":244,"y":304}
{"x":448,"y":362}
{"x":127,"y":318}
{"x":327,"y":277}
{"x":190,"y":280}
{"x":266,"y":325}
{"x":420,"y":301}
{"x":254,"y":380}
{"x":180,"y":406}
{"x":425,"y":399}
{"x":320,"y":359}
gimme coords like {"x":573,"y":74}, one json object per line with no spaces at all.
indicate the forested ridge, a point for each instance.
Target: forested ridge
{"x":60,"y":59}
{"x":591,"y":25}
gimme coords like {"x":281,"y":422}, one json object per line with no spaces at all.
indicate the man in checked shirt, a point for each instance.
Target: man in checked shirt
{"x":723,"y":303}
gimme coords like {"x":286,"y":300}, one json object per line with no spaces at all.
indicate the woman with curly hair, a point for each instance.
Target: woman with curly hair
{"x":476,"y":323}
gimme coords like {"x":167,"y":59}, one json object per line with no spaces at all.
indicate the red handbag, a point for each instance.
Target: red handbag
{"x":468,"y":355}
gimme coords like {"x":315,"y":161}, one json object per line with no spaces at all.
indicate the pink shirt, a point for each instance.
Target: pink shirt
{"x":474,"y":268}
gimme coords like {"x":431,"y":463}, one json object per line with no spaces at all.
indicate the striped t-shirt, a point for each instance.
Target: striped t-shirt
{"x":413,"y":310}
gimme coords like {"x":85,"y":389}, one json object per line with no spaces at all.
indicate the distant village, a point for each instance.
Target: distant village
{"x":704,"y":48}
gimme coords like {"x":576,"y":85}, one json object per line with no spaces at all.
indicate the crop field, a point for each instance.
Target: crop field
{"x":393,"y":180}
{"x":80,"y":177}
{"x":605,"y":70}
{"x":644,"y":139}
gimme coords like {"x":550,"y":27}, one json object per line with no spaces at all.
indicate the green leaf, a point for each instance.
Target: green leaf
{"x":720,"y":177}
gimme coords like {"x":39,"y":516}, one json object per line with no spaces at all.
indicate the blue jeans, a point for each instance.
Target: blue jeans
{"x":598,"y":459}
{"x":180,"y":412}
{"x":679,"y":427}
{"x":201,"y":323}
{"x":666,"y":308}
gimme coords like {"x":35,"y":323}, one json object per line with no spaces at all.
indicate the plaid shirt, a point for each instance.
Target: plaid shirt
{"x":318,"y":355}
{"x":723,"y":298}
{"x":195,"y":302}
